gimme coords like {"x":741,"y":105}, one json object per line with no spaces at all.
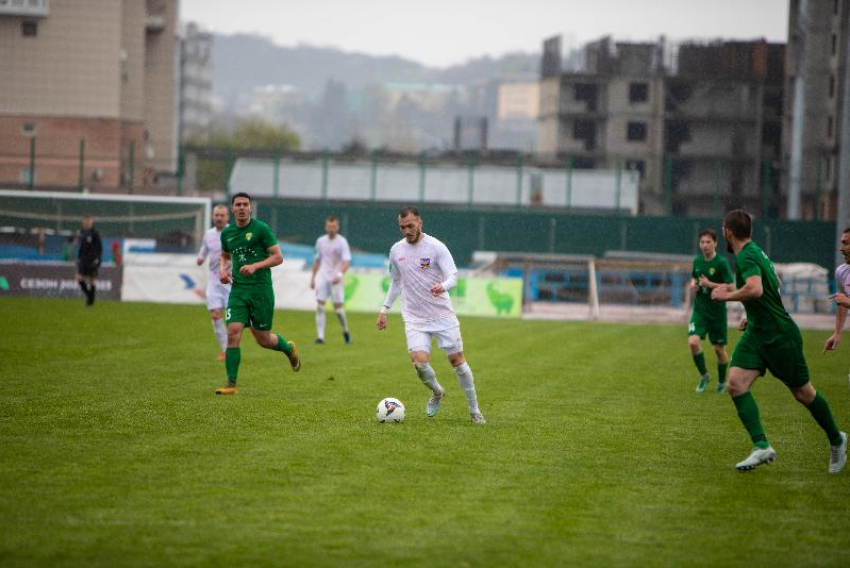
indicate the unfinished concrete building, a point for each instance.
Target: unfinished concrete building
{"x":704,"y":131}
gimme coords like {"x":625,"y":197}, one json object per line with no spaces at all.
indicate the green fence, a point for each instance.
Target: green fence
{"x":373,"y":228}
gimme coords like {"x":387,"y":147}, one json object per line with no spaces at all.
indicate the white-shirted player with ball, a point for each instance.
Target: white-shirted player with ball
{"x":217,"y":293}
{"x":423,"y":271}
{"x":333,"y":257}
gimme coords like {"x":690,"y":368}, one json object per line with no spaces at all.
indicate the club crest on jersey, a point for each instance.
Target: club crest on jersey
{"x":425,"y":263}
{"x":248,"y":236}
{"x":711,"y":271}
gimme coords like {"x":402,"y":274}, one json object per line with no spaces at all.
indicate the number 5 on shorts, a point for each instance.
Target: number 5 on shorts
{"x":227,"y":315}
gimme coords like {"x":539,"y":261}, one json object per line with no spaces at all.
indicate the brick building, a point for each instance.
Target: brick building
{"x":95,"y":78}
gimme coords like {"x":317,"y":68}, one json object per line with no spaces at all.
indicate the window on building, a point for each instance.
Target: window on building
{"x":586,"y":92}
{"x":637,"y":166}
{"x":29,"y":27}
{"x":585,"y":130}
{"x":636,"y":131}
{"x":832,"y":86}
{"x":638,"y":92}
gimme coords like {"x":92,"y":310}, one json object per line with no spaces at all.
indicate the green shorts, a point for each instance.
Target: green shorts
{"x":715,"y":328}
{"x":781,"y":354}
{"x":253,"y":308}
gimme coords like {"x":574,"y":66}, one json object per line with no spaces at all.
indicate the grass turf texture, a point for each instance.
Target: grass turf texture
{"x":597,"y":449}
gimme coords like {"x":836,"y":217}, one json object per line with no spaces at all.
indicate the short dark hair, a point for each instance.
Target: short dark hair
{"x":331,"y":218}
{"x":739,"y":223}
{"x":710,"y":232}
{"x":847,"y":230}
{"x":408,"y":210}
{"x":240,"y":194}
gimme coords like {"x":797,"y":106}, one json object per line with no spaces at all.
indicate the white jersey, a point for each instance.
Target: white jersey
{"x":211,"y":247}
{"x":331,"y":253}
{"x":842,"y":279}
{"x":415,"y":269}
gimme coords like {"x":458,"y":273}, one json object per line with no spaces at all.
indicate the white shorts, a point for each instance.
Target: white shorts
{"x":217,"y":294}
{"x":325,"y":289}
{"x":449,"y":340}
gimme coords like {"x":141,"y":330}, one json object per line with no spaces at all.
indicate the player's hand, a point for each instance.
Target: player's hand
{"x":720,"y":294}
{"x":704,"y":282}
{"x":742,"y":325}
{"x":832,"y":343}
{"x":248,"y":269}
{"x":224,"y":277}
{"x":312,"y":284}
{"x":841,"y":299}
{"x":336,"y":279}
{"x":382,"y":322}
{"x":200,"y":261}
{"x":437,"y":289}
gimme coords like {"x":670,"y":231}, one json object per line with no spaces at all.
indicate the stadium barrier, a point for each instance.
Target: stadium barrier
{"x":173,"y":278}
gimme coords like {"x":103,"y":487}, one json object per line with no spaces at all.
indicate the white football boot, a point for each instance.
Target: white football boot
{"x":759,"y":456}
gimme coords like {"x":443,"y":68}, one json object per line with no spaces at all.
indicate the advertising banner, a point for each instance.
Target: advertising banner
{"x":473,"y":296}
{"x":55,"y":280}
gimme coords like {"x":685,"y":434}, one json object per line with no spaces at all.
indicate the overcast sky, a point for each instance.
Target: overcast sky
{"x":445,"y":32}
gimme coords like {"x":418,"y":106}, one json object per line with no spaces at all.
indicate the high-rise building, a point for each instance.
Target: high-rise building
{"x":87,"y":88}
{"x":196,"y":81}
{"x":824,"y":36}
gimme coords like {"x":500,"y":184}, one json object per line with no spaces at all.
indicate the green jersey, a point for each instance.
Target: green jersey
{"x":716,"y":270}
{"x":247,"y":245}
{"x":766,"y":316}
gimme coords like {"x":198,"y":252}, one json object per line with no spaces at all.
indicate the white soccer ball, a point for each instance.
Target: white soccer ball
{"x":390,"y":410}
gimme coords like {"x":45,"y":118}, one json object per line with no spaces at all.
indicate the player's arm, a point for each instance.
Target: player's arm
{"x":392,"y":294}
{"x":346,"y":262}
{"x":447,"y":266}
{"x":751,"y":290}
{"x":316,"y":264}
{"x":202,"y":254}
{"x":275,"y":258}
{"x":224,"y":268}
{"x":98,"y":248}
{"x":840,"y":317}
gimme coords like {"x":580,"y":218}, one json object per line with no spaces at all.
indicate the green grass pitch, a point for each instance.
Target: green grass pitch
{"x":597,"y":451}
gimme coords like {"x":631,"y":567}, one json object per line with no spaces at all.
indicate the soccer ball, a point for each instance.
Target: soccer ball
{"x":390,"y":410}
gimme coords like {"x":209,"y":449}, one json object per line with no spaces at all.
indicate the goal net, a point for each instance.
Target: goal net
{"x":172,"y":222}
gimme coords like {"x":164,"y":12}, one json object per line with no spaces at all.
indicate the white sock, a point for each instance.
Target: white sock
{"x":428,"y":376}
{"x":343,"y":321}
{"x":220,"y":333}
{"x":320,"y":322}
{"x":464,"y":377}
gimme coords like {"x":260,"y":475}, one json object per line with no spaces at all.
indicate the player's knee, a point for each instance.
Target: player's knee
{"x":456,"y":359}
{"x":693,"y":342}
{"x":805,"y":394}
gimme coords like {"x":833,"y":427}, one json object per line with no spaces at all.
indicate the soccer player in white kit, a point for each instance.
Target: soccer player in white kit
{"x":842,"y":295}
{"x":333,"y":257}
{"x":423,"y":271}
{"x":217,"y":293}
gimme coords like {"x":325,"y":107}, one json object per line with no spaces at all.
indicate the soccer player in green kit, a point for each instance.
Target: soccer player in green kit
{"x":771,"y":341}
{"x":253,"y":250}
{"x":709,"y":317}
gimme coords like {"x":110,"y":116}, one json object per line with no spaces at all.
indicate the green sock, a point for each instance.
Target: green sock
{"x":748,"y":412}
{"x":283,"y":344}
{"x":232,"y":358}
{"x":721,"y":372}
{"x":823,"y":416}
{"x":699,"y":361}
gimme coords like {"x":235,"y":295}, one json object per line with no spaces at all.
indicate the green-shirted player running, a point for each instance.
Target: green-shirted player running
{"x":252,"y":248}
{"x":709,"y":317}
{"x":771,"y":341}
